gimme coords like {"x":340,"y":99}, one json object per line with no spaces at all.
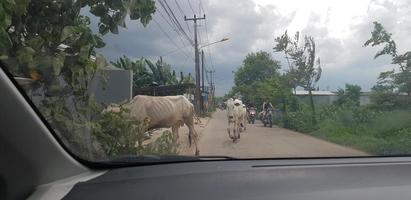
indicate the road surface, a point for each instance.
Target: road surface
{"x":260,"y":141}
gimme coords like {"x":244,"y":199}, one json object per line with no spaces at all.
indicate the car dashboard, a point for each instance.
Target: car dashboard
{"x":282,"y":179}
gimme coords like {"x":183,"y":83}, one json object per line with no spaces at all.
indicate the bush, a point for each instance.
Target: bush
{"x":120,"y":134}
{"x":301,"y":120}
{"x":384,"y":133}
{"x":166,"y":144}
{"x":368,"y":128}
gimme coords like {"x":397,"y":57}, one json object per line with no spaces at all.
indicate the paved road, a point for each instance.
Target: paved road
{"x":260,"y":141}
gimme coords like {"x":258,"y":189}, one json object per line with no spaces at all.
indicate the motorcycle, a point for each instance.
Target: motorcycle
{"x":268,"y":118}
{"x":251,"y":115}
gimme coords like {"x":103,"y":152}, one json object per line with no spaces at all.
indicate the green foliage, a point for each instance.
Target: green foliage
{"x":382,"y":128}
{"x":386,"y":133}
{"x":166,"y":144}
{"x":256,"y":67}
{"x":304,"y":69}
{"x":380,"y":36}
{"x":391,"y":81}
{"x":146,"y":72}
{"x":351,"y":95}
{"x":51,"y":43}
{"x":162,"y":73}
{"x":301,"y":119}
{"x":361,"y":127}
{"x":120,"y":134}
{"x":258,"y":80}
{"x":141,"y":76}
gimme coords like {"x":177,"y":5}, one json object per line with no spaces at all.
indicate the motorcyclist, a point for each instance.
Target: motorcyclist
{"x":266,"y":106}
{"x":250,"y":106}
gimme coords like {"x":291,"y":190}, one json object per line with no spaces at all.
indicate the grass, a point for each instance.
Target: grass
{"x":388,"y":133}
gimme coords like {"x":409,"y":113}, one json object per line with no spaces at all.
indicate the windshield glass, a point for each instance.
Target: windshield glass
{"x":125,"y":80}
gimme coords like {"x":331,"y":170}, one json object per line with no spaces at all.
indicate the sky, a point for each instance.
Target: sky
{"x":339,"y":28}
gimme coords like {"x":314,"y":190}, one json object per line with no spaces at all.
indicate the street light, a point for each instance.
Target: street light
{"x":222,"y":40}
{"x":202,"y":70}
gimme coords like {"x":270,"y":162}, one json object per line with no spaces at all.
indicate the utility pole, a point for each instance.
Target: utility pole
{"x":202,"y":80}
{"x":212,"y":88}
{"x":197,"y":95}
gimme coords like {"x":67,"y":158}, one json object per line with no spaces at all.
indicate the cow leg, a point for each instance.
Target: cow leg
{"x":192,"y":135}
{"x":239,"y":129}
{"x":245,"y":122}
{"x":234,"y":135}
{"x":228,"y":129}
{"x":236,"y":130}
{"x":174,"y":129}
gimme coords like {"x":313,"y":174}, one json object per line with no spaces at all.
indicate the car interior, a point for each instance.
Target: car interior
{"x":35,"y":165}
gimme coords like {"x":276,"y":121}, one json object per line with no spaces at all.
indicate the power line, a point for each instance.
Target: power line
{"x":209,"y":49}
{"x":162,"y":16}
{"x":207,"y":37}
{"x":191,"y":7}
{"x":182,"y":14}
{"x":201,"y":6}
{"x":172,"y":27}
{"x":177,"y":22}
{"x":168,"y":36}
{"x":185,"y":62}
{"x":179,"y":29}
{"x":176,"y":50}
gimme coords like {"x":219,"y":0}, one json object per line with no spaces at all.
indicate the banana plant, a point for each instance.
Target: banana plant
{"x":141,"y":76}
{"x":162,"y":73}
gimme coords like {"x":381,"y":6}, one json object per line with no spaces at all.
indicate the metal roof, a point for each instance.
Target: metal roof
{"x":318,"y":93}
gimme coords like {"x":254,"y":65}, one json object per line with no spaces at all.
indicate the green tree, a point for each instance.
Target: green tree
{"x":185,"y":79}
{"x":256,"y":67}
{"x":304,"y":67}
{"x":145,"y":73}
{"x":350,"y":95}
{"x":51,"y":43}
{"x":141,"y":76}
{"x":288,"y":46}
{"x":391,"y":80}
{"x":162,"y":73}
{"x":254,"y":78}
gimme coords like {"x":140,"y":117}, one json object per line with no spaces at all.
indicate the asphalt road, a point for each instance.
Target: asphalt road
{"x":259,"y":141}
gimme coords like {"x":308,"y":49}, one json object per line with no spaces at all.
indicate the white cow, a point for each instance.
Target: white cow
{"x":163,"y":112}
{"x":240,"y":113}
{"x":235,"y":115}
{"x":231,"y":119}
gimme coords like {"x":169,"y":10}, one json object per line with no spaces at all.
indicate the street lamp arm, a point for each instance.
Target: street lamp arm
{"x":222,"y":40}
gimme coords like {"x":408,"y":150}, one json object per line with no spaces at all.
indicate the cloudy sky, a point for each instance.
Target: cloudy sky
{"x":339,"y":28}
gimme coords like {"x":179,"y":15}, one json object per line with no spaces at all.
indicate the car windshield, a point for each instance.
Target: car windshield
{"x":165,"y":80}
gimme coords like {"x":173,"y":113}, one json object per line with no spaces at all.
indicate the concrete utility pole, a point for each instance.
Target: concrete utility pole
{"x":197,"y":95}
{"x":202,"y":80}
{"x":212,"y":88}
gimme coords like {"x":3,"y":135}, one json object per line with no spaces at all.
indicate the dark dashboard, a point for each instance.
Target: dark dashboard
{"x":287,"y":179}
